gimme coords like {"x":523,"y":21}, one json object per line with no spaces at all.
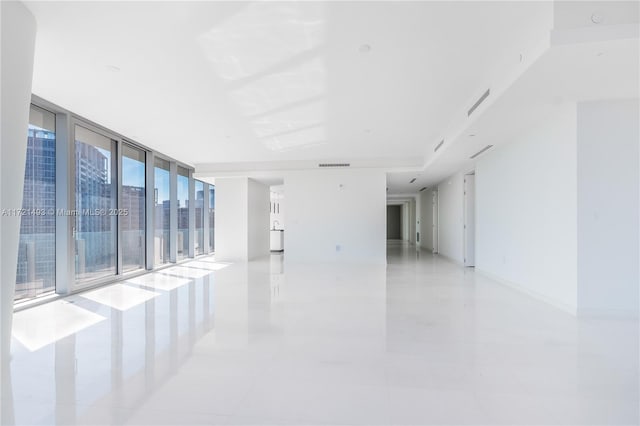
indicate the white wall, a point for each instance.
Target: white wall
{"x":329,"y":208}
{"x":608,"y":211}
{"x":242,"y":219}
{"x":450,"y":209}
{"x":526,"y":210}
{"x":258,"y":219}
{"x":18,"y":41}
{"x":426,"y":219}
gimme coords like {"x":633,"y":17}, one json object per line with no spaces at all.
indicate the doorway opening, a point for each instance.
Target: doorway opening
{"x":394,"y":222}
{"x":276,"y":218}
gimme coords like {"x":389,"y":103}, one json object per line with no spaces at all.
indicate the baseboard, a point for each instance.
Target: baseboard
{"x":450,"y":259}
{"x":538,"y":296}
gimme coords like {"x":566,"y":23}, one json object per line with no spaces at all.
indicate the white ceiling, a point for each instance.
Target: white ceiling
{"x":563,"y":74}
{"x":226,"y":82}
{"x":238,"y":88}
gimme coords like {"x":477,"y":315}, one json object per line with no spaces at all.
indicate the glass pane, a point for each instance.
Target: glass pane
{"x":132,"y":210}
{"x":36,"y":271}
{"x":199,"y":206}
{"x":95,"y":227}
{"x":162,"y":211}
{"x":183,"y":213}
{"x":212,"y":216}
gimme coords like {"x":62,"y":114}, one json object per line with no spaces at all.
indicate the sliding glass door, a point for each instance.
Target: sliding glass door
{"x":162,"y":213}
{"x":212,"y":217}
{"x":90,"y":201}
{"x":199,"y":206}
{"x":183,"y":213}
{"x":132,"y":209}
{"x":95,"y":230}
{"x":36,"y":271}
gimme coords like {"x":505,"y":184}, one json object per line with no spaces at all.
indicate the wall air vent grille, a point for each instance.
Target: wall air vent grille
{"x":481,"y":151}
{"x":439,"y":145}
{"x":334,"y":165}
{"x":484,"y":96}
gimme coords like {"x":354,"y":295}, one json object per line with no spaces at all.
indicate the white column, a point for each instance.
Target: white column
{"x":242,"y":219}
{"x":258,"y":199}
{"x":231,"y":219}
{"x":18,"y":44}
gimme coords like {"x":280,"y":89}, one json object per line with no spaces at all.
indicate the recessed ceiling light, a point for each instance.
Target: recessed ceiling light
{"x":412,"y":180}
{"x":472,"y":135}
{"x":365,"y":48}
{"x":112,"y":68}
{"x":599,"y":53}
{"x":367,"y":130}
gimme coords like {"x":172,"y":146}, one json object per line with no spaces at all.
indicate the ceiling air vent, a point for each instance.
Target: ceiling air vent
{"x":481,"y":151}
{"x":423,"y":188}
{"x":412,"y":180}
{"x":478,"y":102}
{"x":439,"y":145}
{"x":334,"y":165}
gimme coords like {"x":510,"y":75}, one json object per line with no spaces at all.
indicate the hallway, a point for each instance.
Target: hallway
{"x":420,"y":341}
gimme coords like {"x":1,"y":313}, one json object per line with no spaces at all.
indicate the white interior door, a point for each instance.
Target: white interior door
{"x":435,"y":221}
{"x":469,"y":220}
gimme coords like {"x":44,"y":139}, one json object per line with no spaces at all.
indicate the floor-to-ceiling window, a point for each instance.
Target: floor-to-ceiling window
{"x":107,"y":206}
{"x":95,"y":231}
{"x":132,"y":209}
{"x":199,"y":207}
{"x":36,"y":271}
{"x":162,"y":213}
{"x":212,"y":216}
{"x":183,"y":213}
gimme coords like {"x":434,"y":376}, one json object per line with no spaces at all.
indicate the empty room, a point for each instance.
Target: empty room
{"x":320,"y":212}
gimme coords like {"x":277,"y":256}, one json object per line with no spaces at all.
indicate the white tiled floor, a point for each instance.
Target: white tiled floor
{"x":119,"y":296}
{"x":421,"y":341}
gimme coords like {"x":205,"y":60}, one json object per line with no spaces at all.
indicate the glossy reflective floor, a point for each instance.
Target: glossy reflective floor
{"x":421,"y":341}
